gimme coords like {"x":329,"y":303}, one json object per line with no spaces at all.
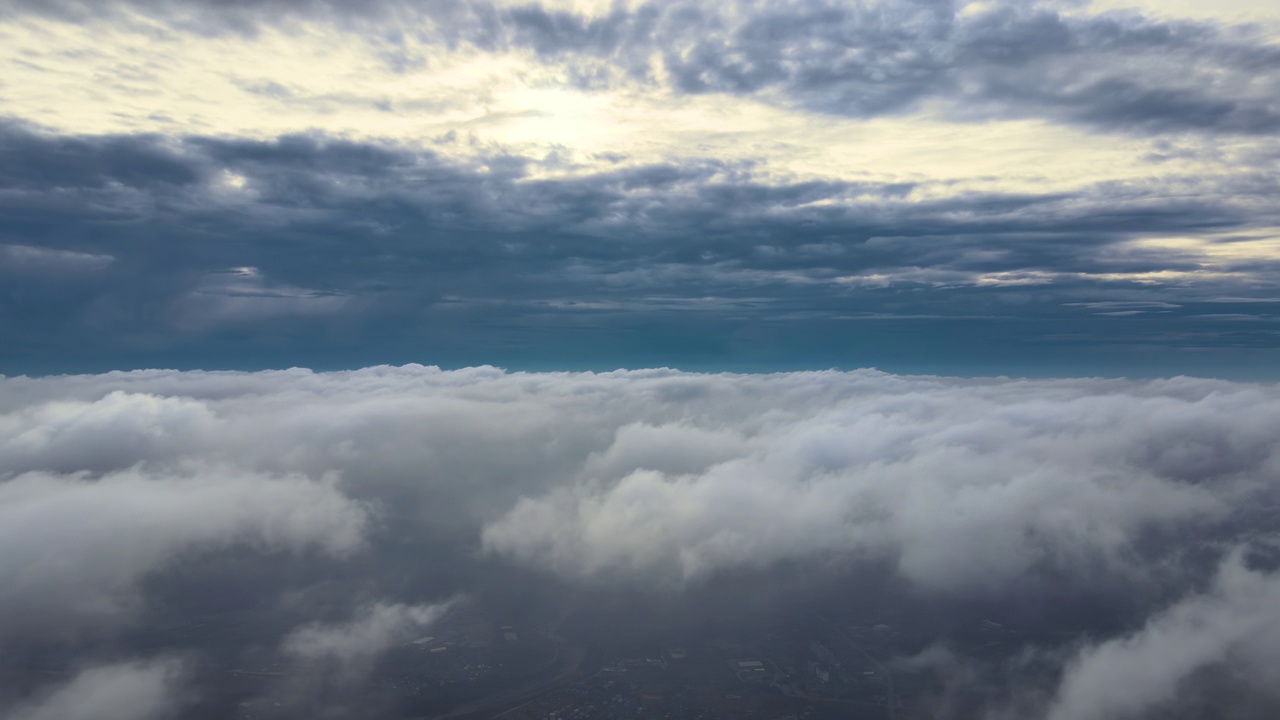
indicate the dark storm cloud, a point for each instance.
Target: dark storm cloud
{"x":1113,"y":72}
{"x":137,"y":244}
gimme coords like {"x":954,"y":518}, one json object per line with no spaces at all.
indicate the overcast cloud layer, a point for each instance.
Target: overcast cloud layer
{"x":1048,"y":188}
{"x":1157,"y":499}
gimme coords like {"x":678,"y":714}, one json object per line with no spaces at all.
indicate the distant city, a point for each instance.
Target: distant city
{"x":471,"y":666}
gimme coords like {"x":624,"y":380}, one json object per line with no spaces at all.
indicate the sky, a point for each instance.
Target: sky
{"x":1025,"y":188}
{"x":322,"y":323}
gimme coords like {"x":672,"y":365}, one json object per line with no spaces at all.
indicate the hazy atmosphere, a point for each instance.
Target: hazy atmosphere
{"x":564,"y":360}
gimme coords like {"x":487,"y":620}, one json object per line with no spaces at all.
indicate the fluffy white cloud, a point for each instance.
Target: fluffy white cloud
{"x":971,"y":486}
{"x":123,"y":691}
{"x":112,"y":432}
{"x":644,"y":474}
{"x":73,"y":548}
{"x":351,"y":646}
{"x":1237,"y":621}
{"x":963,"y":484}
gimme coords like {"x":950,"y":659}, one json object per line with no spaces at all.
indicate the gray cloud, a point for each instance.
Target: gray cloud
{"x":1116,"y":72}
{"x":26,"y":259}
{"x":120,"y":691}
{"x":241,"y":295}
{"x":335,"y":244}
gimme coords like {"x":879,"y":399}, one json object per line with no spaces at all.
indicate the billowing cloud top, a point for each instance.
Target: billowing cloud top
{"x":1154,"y":501}
{"x":1033,"y":188}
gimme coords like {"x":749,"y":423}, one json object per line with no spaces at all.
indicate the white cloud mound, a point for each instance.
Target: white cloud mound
{"x":351,"y":646}
{"x":122,"y":691}
{"x":649,"y":474}
{"x":1238,"y":620}
{"x":963,"y":484}
{"x":73,"y":548}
